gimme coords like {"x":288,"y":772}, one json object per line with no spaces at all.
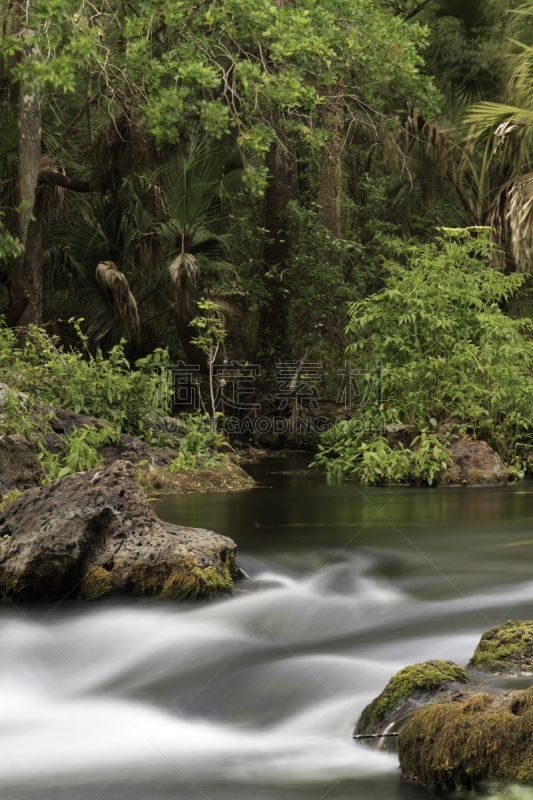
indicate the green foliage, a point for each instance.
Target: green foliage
{"x":311,"y":274}
{"x":79,"y":452}
{"x":345,"y":453}
{"x":449,"y":350}
{"x":10,"y":247}
{"x":197,"y":448}
{"x":211,"y":336}
{"x":105,"y":388}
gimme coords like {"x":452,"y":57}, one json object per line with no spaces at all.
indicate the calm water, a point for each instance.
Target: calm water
{"x":255,"y":697}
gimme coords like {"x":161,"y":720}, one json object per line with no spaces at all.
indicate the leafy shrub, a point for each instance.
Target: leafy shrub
{"x":106,"y":388}
{"x":197,"y":447}
{"x":448,"y":348}
{"x":80,"y":452}
{"x":374,"y":461}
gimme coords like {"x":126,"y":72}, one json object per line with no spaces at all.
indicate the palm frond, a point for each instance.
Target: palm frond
{"x":491,"y":114}
{"x":512,"y":208}
{"x":117,"y":290}
{"x":183,"y":275}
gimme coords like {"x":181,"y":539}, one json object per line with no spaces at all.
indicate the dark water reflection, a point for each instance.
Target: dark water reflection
{"x":255,"y":696}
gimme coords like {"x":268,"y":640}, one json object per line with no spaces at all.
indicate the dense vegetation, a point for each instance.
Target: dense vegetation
{"x":262,"y":184}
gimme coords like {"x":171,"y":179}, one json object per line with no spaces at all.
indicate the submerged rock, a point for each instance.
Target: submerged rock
{"x":408,"y":690}
{"x":506,"y":648}
{"x":459,"y":744}
{"x":93,"y":534}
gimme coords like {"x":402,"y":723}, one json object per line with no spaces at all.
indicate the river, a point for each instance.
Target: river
{"x":254,"y":697}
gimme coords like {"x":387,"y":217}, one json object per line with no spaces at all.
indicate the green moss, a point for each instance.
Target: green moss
{"x":97,"y":582}
{"x":460,"y":744}
{"x":506,"y":648}
{"x":424,"y":677}
{"x":187,"y":580}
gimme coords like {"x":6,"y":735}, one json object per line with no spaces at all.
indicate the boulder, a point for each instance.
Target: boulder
{"x":398,"y":434}
{"x":93,"y":534}
{"x":458,"y":744}
{"x":473,"y":464}
{"x":506,"y":648}
{"x":408,"y":690}
{"x":7,"y":487}
{"x":19,"y":463}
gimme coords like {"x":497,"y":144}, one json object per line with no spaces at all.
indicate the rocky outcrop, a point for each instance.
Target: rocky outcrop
{"x":7,"y":488}
{"x":459,"y":744}
{"x":93,"y":534}
{"x":473,"y":464}
{"x":408,"y":690}
{"x":19,"y":464}
{"x":506,"y":648}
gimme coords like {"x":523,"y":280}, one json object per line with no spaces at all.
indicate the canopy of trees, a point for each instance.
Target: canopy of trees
{"x":268,"y":157}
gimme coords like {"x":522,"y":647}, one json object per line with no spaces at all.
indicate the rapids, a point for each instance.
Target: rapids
{"x":254,"y":697}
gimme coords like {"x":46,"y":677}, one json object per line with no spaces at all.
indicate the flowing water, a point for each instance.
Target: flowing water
{"x":254,"y":697}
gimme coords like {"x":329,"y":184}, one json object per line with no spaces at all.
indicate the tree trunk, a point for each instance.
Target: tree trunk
{"x":274,"y":311}
{"x":329,"y":194}
{"x":27,"y":285}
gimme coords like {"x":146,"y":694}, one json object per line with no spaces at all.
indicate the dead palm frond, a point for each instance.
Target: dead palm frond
{"x":432,"y":139}
{"x":117,"y":290}
{"x":512,"y":209}
{"x":50,"y":164}
{"x":230,"y":305}
{"x":183,"y":274}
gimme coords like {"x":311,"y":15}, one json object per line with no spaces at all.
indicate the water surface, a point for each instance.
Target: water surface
{"x":255,"y":697}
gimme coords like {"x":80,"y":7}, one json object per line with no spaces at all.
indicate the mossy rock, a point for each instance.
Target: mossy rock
{"x":93,"y":535}
{"x":460,"y":744}
{"x":506,"y":648}
{"x":417,"y":682}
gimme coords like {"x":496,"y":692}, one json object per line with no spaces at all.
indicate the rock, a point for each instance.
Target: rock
{"x":479,"y":738}
{"x":473,"y":464}
{"x":507,"y":648}
{"x":93,"y":534}
{"x":172,"y":427}
{"x":129,"y":448}
{"x":7,"y":487}
{"x":397,"y":434}
{"x":62,"y":422}
{"x":410,"y":688}
{"x":19,"y":462}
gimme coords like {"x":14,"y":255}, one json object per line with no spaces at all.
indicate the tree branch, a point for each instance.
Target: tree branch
{"x":417,"y":9}
{"x":51,"y":178}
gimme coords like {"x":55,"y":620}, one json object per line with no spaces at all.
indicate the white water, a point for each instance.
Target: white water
{"x":250,"y":697}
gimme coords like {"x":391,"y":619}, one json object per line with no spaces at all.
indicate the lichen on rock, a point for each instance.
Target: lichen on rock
{"x":505,"y":648}
{"x":459,"y":744}
{"x":410,"y":683}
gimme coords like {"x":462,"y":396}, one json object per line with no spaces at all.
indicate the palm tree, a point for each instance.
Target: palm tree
{"x":187,"y":197}
{"x":506,"y":133}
